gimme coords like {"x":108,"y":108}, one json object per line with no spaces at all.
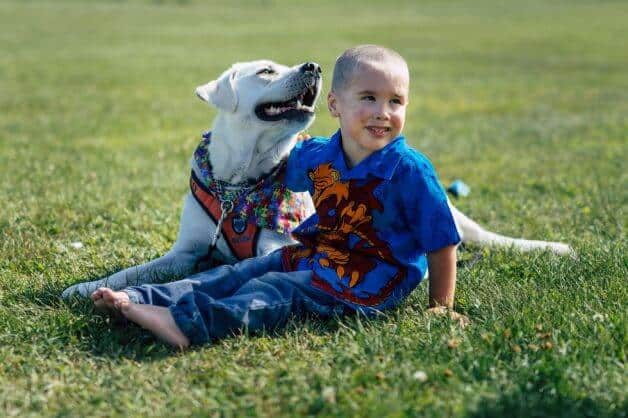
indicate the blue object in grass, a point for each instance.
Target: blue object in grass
{"x":459,"y":188}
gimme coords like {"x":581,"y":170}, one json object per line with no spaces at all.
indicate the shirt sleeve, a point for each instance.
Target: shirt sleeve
{"x":299,"y":162}
{"x":433,"y":224}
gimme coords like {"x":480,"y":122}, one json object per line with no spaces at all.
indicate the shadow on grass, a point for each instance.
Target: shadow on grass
{"x":530,"y":404}
{"x":468,"y":256}
{"x":49,"y":294}
{"x":74,"y":322}
{"x":118,"y":338}
{"x":113,"y":337}
{"x":79,"y":325}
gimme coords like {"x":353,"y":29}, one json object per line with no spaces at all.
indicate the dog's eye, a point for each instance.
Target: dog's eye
{"x":266,"y":70}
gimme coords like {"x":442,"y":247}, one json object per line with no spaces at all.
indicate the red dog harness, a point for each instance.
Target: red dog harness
{"x":241,"y":236}
{"x":242,"y":210}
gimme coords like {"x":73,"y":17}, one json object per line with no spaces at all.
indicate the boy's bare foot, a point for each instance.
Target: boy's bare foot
{"x":106,"y":300}
{"x":157,"y":320}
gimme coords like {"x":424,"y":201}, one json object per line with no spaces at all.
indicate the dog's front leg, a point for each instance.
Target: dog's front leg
{"x":192,"y":243}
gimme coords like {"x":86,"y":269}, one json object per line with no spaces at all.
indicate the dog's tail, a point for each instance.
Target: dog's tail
{"x":471,"y":232}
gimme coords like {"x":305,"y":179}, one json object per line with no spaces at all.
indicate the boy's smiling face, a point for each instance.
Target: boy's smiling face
{"x":371,"y":108}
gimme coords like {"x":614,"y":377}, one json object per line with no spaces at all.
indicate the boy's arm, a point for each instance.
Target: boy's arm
{"x":442,"y":283}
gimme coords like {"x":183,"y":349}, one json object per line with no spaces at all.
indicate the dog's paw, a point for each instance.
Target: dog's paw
{"x":72,"y":291}
{"x":80,"y":290}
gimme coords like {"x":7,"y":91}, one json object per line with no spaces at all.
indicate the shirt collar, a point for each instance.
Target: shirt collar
{"x":381,"y":163}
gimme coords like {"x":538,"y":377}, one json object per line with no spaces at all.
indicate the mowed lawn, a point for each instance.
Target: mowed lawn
{"x":524,"y":101}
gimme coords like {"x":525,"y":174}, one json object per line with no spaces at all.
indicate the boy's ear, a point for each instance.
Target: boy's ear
{"x":332,"y":102}
{"x":220,"y":92}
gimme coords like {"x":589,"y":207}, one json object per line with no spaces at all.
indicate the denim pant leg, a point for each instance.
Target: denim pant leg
{"x":261,"y":303}
{"x":218,"y":282}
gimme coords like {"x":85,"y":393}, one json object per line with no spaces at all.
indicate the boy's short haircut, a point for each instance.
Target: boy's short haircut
{"x":352,"y":58}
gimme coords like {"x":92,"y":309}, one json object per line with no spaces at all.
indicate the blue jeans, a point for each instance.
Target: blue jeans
{"x":255,"y":294}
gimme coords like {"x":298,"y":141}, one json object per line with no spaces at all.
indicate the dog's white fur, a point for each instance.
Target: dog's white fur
{"x":242,"y":147}
{"x":245,"y":147}
{"x":471,"y":232}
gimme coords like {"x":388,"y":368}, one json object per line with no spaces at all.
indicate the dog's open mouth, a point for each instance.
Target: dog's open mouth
{"x":299,"y":106}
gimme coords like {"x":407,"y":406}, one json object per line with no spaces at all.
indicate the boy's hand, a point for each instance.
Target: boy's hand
{"x":303,"y":136}
{"x":462,"y":320}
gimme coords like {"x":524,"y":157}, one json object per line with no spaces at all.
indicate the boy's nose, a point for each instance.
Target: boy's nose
{"x":381,"y":113}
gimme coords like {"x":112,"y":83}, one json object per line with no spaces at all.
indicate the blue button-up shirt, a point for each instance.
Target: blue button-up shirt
{"x":374,"y":223}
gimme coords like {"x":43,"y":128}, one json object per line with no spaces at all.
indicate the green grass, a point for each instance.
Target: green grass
{"x":525,"y":101}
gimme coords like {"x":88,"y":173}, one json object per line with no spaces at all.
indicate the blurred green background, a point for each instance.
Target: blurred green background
{"x":524,"y":101}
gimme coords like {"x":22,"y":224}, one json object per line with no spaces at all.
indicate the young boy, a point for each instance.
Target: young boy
{"x":379,"y":211}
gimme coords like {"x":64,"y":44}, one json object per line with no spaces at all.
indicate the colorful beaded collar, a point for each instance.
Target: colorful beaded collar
{"x":266,"y":202}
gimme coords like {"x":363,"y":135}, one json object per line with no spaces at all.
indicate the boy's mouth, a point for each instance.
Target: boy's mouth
{"x":378,"y":131}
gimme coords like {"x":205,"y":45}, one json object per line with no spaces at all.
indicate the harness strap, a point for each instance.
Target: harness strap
{"x":241,"y":236}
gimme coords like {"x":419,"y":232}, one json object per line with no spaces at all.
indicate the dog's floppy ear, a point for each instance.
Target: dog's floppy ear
{"x":221,"y":92}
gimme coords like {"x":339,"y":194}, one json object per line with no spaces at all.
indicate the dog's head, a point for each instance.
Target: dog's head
{"x":264,"y":92}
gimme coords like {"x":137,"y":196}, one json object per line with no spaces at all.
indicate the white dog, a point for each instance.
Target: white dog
{"x":237,"y":206}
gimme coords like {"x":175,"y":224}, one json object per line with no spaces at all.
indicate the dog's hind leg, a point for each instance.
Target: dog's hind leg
{"x":191,"y":245}
{"x":471,"y":232}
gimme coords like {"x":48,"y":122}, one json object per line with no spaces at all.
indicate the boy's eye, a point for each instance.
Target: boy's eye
{"x":369,"y":98}
{"x":396,"y":101}
{"x":266,"y":70}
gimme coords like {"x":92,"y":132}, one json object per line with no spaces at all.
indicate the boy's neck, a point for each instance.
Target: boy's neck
{"x":353,"y":154}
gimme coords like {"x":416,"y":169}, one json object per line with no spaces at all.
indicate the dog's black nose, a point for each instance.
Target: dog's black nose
{"x":311,"y":67}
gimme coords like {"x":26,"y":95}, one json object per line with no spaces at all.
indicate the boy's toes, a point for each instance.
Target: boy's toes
{"x":97,"y":294}
{"x":108,"y":296}
{"x":104,"y":298}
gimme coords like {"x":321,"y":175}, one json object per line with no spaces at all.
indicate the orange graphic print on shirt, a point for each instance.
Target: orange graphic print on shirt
{"x":344,"y":210}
